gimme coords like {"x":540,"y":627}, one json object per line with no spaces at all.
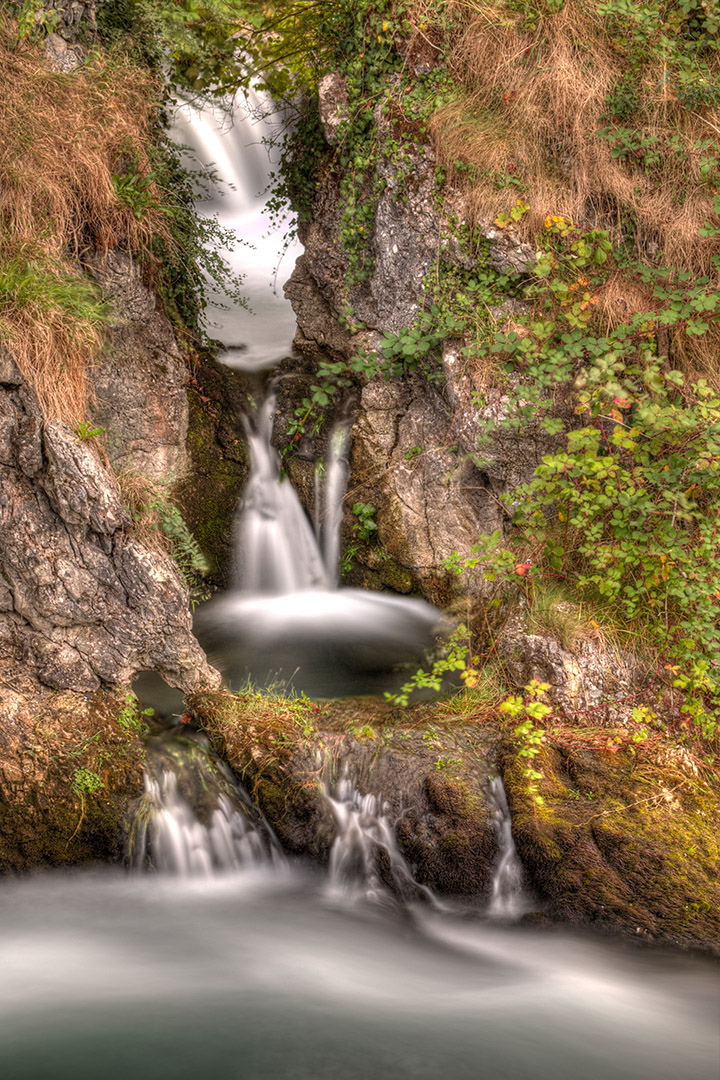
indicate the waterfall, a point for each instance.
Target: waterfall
{"x":508,"y":899}
{"x":229,"y":147}
{"x":332,"y":494}
{"x":276,"y":549}
{"x":365,"y":861}
{"x":285,"y":616}
{"x":168,"y":834}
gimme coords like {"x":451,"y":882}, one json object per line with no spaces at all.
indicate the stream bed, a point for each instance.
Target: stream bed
{"x":265,"y":974}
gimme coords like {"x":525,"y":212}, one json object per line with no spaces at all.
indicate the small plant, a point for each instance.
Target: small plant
{"x":130,"y":718}
{"x":365,"y":525}
{"x":455,"y":660}
{"x":444,"y":762}
{"x":137,"y":190}
{"x":86,"y":782}
{"x":158,"y":520}
{"x":86,"y":431}
{"x":528,"y":735}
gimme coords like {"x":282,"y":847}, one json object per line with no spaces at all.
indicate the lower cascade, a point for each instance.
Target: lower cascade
{"x":509,"y":899}
{"x":184,"y":781}
{"x":365,"y":861}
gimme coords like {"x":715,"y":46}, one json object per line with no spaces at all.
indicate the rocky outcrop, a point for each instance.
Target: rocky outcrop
{"x":432,"y":778}
{"x":70,"y":768}
{"x":407,"y":461}
{"x":416,"y":456}
{"x":83,"y":603}
{"x":623,"y":840}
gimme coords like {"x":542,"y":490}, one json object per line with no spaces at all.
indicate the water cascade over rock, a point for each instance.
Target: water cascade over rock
{"x":286,"y":615}
{"x":509,"y":899}
{"x":194,"y":819}
{"x":227,"y":148}
{"x":365,"y":861}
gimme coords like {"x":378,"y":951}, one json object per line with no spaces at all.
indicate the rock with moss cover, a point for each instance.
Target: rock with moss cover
{"x":70,"y":771}
{"x":623,"y":840}
{"x":432,"y":777}
{"x":210,"y":490}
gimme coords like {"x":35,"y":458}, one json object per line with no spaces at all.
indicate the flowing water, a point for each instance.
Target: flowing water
{"x":258,"y":976}
{"x":228,"y":148}
{"x":366,"y":864}
{"x":227,"y":961}
{"x":286,"y":613}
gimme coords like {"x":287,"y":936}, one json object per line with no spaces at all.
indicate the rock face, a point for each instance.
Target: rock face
{"x":139,"y":383}
{"x":433,"y":780}
{"x":623,"y":841}
{"x":407,"y":461}
{"x":415,"y":443}
{"x":83,"y":603}
{"x":70,"y":768}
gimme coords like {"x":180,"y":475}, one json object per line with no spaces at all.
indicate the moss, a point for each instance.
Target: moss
{"x":68,"y":775}
{"x":209,"y":494}
{"x":642,"y":853}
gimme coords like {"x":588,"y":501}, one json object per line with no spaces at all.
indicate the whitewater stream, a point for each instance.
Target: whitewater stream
{"x":216,"y":956}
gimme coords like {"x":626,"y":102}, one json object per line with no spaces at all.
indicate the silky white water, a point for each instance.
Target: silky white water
{"x":285,"y":617}
{"x":257,"y":977}
{"x":231,"y":145}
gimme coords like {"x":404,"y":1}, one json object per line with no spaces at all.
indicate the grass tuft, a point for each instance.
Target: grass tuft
{"x":69,"y":146}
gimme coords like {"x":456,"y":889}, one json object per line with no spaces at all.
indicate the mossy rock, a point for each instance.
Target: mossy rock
{"x":71,"y":768}
{"x":624,"y":840}
{"x":431,"y":771}
{"x":209,"y":494}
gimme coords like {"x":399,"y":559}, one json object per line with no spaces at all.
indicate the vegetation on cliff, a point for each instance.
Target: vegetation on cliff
{"x":587,"y":131}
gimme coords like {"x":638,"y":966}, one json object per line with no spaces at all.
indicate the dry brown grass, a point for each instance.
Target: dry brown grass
{"x":531,"y":103}
{"x":62,"y":138}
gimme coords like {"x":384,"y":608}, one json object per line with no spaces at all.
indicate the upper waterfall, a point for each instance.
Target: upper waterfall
{"x":229,"y":151}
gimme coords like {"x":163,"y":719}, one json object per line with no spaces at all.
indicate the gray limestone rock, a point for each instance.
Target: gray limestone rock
{"x":431,"y":498}
{"x":84,"y":604}
{"x":332,"y":104}
{"x":139,"y":382}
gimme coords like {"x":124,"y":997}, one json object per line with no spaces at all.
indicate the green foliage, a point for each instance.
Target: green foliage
{"x":458,"y":650}
{"x":35,"y":18}
{"x":192,"y":257}
{"x":86,"y":782}
{"x":85,"y":431}
{"x":184,"y":548}
{"x":529,"y":736}
{"x":135,"y":190}
{"x":38,"y":283}
{"x":131,"y":718}
{"x":365,"y":526}
{"x":625,"y":512}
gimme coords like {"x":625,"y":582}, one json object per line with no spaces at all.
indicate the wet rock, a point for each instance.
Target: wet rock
{"x":217,"y":471}
{"x":432,"y":778}
{"x":622,"y":841}
{"x":416,"y":452}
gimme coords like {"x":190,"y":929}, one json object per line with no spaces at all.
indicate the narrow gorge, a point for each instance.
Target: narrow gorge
{"x":358,"y":558}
